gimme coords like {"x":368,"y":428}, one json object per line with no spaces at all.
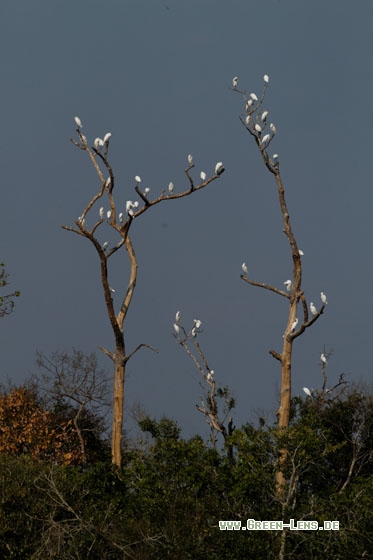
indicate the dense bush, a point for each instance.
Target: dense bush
{"x":167,"y":499}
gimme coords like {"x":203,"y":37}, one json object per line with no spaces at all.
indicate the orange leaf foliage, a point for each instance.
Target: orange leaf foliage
{"x":26,"y":427}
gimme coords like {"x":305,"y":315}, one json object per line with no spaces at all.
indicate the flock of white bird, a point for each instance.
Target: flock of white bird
{"x":131,"y":206}
{"x":219,"y":169}
{"x":99,"y":143}
{"x":197,"y":323}
{"x":289,"y":284}
{"x":253,"y":98}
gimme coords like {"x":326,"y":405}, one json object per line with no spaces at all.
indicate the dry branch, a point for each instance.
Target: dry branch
{"x":98,"y":155}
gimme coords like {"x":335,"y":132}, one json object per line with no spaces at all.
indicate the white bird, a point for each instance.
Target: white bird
{"x":248,"y":119}
{"x":138,"y":179}
{"x":177,"y":316}
{"x":107,"y":137}
{"x":249,"y":102}
{"x":121,"y":218}
{"x":203,"y":175}
{"x":323,"y":359}
{"x":313,"y":309}
{"x":266,"y":138}
{"x":129,"y":205}
{"x":210,"y":375}
{"x":78,"y":122}
{"x":170,"y":187}
{"x":112,"y":290}
{"x":136,"y":204}
{"x":258,"y":128}
{"x":264,"y":115}
{"x":102,"y":213}
{"x":98,"y":143}
{"x":235,"y":82}
{"x":307,"y":391}
{"x":244,"y":268}
{"x":323,"y":298}
{"x":105,"y":245}
{"x":177,"y":328}
{"x":294,"y":325}
{"x":219,"y":168}
{"x":275,"y":157}
{"x":108,"y":214}
{"x":301,"y":252}
{"x":190,"y":159}
{"x":266,"y":78}
{"x":197,"y":323}
{"x":272,"y":128}
{"x":146,"y":191}
{"x":108,"y":182}
{"x":253,"y":97}
{"x":288,"y":285}
{"x":194,"y":332}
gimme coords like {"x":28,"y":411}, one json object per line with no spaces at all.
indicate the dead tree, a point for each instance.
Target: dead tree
{"x":209,"y":405}
{"x":77,"y":380}
{"x":255,"y":120}
{"x":121,"y":223}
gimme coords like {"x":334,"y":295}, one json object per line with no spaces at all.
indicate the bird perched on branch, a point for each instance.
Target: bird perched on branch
{"x":219,"y":168}
{"x":313,"y":309}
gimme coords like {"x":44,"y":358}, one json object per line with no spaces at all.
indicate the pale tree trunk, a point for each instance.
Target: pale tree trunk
{"x":284,"y":409}
{"x":120,"y":358}
{"x":118,"y":407}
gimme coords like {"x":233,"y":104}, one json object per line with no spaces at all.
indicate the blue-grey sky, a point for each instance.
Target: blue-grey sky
{"x":157,"y":75}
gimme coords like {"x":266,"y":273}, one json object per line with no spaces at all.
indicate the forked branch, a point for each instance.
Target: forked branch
{"x":208,"y":406}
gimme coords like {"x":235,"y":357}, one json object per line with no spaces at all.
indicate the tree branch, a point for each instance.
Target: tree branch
{"x":143,"y":345}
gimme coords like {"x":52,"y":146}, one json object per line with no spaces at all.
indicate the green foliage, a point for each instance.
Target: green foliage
{"x":170,"y":494}
{"x":164,"y":430}
{"x":21,"y":506}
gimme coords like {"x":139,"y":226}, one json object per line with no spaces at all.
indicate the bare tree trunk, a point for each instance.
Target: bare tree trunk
{"x":118,"y":407}
{"x":284,"y":410}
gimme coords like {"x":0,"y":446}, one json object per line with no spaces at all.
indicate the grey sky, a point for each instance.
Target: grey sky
{"x":157,"y":75}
